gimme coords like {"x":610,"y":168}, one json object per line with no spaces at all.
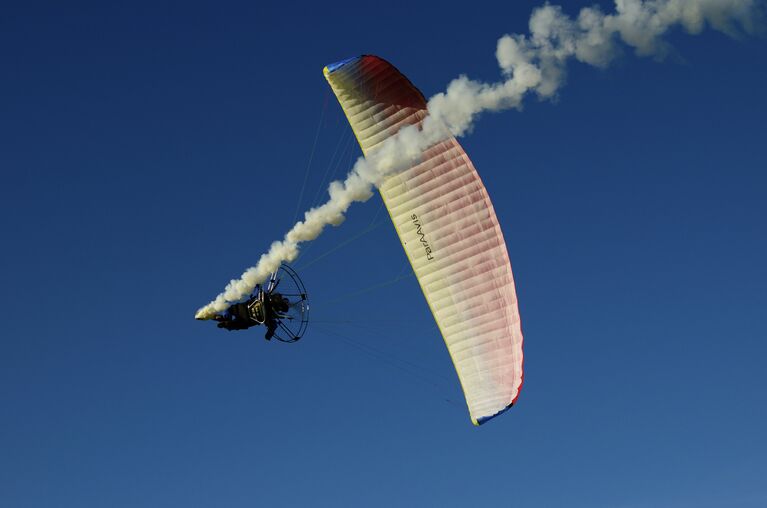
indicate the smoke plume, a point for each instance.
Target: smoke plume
{"x":530,"y":64}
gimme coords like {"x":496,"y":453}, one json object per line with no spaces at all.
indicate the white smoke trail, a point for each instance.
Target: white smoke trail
{"x":534,"y":63}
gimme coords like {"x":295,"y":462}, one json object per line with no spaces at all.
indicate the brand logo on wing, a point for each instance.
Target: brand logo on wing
{"x":422,"y":237}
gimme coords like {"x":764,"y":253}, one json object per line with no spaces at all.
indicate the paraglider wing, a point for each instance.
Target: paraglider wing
{"x":450,"y":233}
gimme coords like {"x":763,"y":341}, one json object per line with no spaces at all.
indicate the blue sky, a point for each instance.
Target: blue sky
{"x":152,"y":151}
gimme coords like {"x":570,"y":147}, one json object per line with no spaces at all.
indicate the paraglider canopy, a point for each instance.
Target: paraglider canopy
{"x":448,"y":228}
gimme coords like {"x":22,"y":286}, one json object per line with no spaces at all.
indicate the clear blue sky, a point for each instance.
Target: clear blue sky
{"x":151,"y":152}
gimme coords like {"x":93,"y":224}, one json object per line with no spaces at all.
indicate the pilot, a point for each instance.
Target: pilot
{"x":238,"y":316}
